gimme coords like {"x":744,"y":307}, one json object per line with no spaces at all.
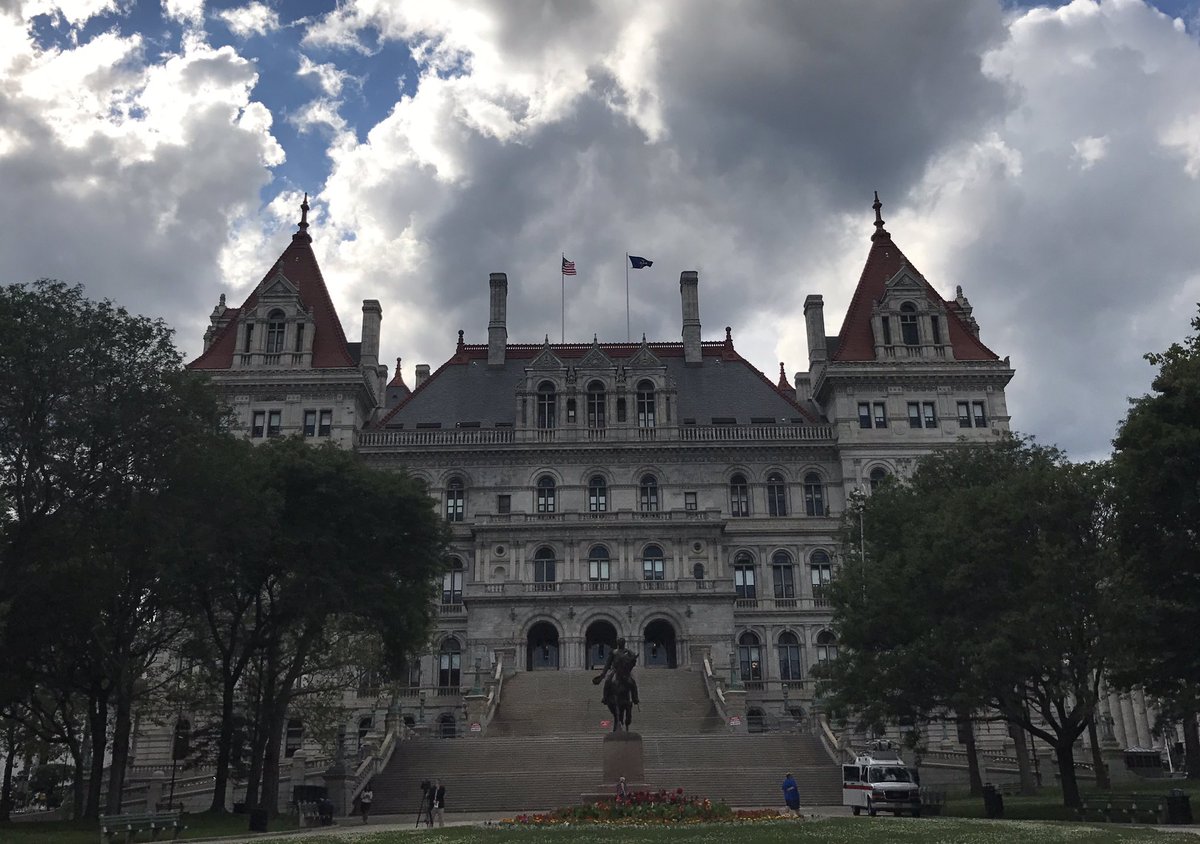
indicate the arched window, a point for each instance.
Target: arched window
{"x":826,"y":646}
{"x":739,"y":496}
{"x":597,"y":494}
{"x":545,"y":494}
{"x":878,"y":476}
{"x":814,"y":495}
{"x":820,"y":572}
{"x":598,"y":564}
{"x":456,"y":498}
{"x":364,"y":728}
{"x":648,"y":494}
{"x":276,"y":326}
{"x":293,"y":737}
{"x":789,"y":657}
{"x":750,"y":658}
{"x":776,"y":495}
{"x":908,"y":324}
{"x":743,"y":576}
{"x":645,"y":404}
{"x":452,"y":583}
{"x":782,"y":575}
{"x":547,"y":413}
{"x":450,"y":664}
{"x":544,"y":566}
{"x":595,"y":404}
{"x":652,"y":563}
{"x":698,"y":571}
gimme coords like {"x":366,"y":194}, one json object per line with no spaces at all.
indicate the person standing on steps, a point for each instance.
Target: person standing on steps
{"x":438,"y":804}
{"x":364,"y":801}
{"x":791,"y":794}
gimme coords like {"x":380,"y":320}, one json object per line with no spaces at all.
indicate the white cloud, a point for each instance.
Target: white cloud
{"x":1090,"y":150}
{"x":252,"y":19}
{"x":185,"y":11}
{"x":74,"y":12}
{"x":330,"y":79}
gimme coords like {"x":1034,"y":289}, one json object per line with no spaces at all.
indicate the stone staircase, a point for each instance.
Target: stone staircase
{"x":543,"y":750}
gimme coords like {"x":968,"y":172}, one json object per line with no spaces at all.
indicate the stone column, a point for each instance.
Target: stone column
{"x":1113,"y":702}
{"x":1127,"y":720}
{"x":1141,"y":718}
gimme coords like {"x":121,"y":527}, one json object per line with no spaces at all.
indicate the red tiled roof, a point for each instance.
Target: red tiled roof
{"x":299,"y":265}
{"x":856,"y":342}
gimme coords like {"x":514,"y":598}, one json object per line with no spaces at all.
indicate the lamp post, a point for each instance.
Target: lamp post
{"x":475,"y":689}
{"x":421,"y":707}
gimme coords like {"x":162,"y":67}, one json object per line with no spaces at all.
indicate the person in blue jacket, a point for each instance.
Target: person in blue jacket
{"x":791,"y":794}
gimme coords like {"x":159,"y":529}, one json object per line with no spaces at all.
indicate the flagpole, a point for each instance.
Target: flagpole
{"x":562,"y":280}
{"x":627,"y":297}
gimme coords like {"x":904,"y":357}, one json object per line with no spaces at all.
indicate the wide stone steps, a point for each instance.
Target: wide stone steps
{"x":523,"y":773}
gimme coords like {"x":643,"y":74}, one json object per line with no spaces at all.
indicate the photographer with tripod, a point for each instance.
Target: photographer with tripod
{"x":423,"y":808}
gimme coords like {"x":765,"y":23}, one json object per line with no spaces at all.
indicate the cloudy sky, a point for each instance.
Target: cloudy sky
{"x":1045,"y":158}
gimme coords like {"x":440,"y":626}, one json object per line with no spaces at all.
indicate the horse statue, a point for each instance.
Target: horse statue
{"x":620,"y":689}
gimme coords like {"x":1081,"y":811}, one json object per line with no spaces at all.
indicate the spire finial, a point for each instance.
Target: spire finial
{"x":880,"y":231}
{"x":304,"y":213}
{"x":460,"y":339}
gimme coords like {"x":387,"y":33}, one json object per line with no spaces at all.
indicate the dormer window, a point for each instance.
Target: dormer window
{"x":546,"y":405}
{"x":276,"y":325}
{"x":595,"y":405}
{"x":645,"y":404}
{"x":249,"y":337}
{"x":908,"y":325}
{"x":299,"y":337}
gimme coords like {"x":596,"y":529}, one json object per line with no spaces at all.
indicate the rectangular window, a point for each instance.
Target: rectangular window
{"x":598,"y":569}
{"x":743,"y":582}
{"x":571,"y":411}
{"x":258,"y":424}
{"x":274,"y":423}
{"x":887,"y":331}
{"x":249,"y":337}
{"x":936,"y":324}
{"x":964,"y":414}
{"x":821,"y":575}
{"x":652,"y":569}
{"x":880,"y":415}
{"x":310,"y":423}
{"x":864,"y":414}
{"x":689,"y":501}
{"x":326,"y":425}
{"x":503,"y":504}
{"x":914,"y":414}
{"x":785,"y":587}
{"x":543,"y":571}
{"x":621,"y":410}
{"x":980,"y":415}
{"x":930,"y":414}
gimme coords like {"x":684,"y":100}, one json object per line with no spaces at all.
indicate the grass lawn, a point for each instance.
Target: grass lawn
{"x":834,"y":830}
{"x":1047,"y":804}
{"x":88,"y":832}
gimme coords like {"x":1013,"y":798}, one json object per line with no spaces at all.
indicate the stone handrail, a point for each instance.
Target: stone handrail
{"x":830,"y":741}
{"x":716,"y":693}
{"x":493,"y":698}
{"x":375,"y":761}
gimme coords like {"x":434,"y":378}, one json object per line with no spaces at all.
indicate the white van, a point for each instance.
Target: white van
{"x":879,"y":781}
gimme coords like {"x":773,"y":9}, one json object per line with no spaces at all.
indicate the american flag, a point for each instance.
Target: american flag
{"x":568,"y":267}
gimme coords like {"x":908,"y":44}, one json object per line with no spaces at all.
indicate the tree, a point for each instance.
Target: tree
{"x":986,"y":585}
{"x":1156,"y":461}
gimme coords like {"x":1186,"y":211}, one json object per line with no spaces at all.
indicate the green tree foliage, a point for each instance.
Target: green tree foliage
{"x":1156,"y":465}
{"x":983,"y":583}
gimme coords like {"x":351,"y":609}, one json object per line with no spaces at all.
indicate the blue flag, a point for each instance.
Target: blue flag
{"x":639,"y":263}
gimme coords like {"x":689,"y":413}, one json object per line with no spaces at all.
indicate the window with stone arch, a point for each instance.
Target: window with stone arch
{"x":750,"y":657}
{"x":456,"y":498}
{"x":645,"y":404}
{"x":652,"y":563}
{"x":743,"y":576}
{"x":789,"y":657}
{"x":276,"y":326}
{"x":648,"y":494}
{"x":547,"y":406}
{"x":598,"y":564}
{"x":596,"y":399}
{"x":908,"y":325}
{"x":878,"y":476}
{"x":739,"y":497}
{"x":597,"y":494}
{"x":814,"y":494}
{"x":776,"y":495}
{"x":450,"y":664}
{"x":783,"y":575}
{"x":546,"y":494}
{"x":452,"y":582}
{"x":545,"y":569}
{"x":820,"y":572}
{"x":827,"y":648}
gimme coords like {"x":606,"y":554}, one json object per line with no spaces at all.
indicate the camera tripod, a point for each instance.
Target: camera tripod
{"x":423,"y":811}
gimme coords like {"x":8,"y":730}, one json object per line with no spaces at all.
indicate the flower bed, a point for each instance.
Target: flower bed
{"x":645,"y":808}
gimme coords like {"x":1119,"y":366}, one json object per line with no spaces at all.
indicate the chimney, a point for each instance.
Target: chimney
{"x":497,"y":330}
{"x":688,"y":283}
{"x":422,"y":374}
{"x":372,"y":319}
{"x":814,"y":319}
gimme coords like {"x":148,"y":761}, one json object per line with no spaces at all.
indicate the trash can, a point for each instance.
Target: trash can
{"x":1179,"y":806}
{"x":993,"y":802}
{"x":258,"y":819}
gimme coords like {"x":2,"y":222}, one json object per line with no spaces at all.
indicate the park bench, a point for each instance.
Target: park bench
{"x":129,"y":825}
{"x":309,"y":814}
{"x":1122,"y":810}
{"x":932,"y":801}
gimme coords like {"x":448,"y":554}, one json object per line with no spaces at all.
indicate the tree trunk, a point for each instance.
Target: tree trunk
{"x":10,"y":745}
{"x":78,"y":796}
{"x":270,"y":780}
{"x":224,"y":747}
{"x":1024,"y":767}
{"x":98,"y":723}
{"x":967,"y":730}
{"x":1102,"y":781}
{"x":120,"y":750}
{"x":1191,"y":746}
{"x":1065,"y":754}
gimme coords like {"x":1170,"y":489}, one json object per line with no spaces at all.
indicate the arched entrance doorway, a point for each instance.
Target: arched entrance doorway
{"x":542,"y":647}
{"x":601,"y":638}
{"x":659,"y":645}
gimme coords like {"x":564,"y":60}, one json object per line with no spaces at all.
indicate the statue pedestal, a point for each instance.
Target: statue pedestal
{"x":623,"y":757}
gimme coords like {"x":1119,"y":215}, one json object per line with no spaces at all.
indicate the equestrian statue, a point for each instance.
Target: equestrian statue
{"x":620,"y":689}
